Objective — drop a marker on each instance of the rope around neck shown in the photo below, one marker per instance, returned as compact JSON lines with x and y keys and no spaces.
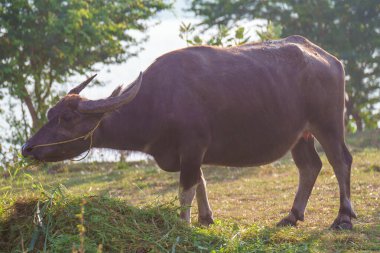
{"x":84,"y":137}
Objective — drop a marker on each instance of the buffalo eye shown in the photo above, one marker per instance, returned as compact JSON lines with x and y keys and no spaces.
{"x":68,"y":116}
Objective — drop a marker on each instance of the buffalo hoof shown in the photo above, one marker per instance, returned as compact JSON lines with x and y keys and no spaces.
{"x":206,"y":221}
{"x":342,"y":224}
{"x":286,"y":222}
{"x":289,"y":220}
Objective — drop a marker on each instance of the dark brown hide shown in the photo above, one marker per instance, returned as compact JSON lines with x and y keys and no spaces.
{"x":239,"y":106}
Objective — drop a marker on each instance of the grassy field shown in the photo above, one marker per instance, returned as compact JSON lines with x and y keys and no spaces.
{"x":118,"y":207}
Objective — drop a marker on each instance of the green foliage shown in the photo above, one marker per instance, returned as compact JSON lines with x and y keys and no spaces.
{"x":221,"y":38}
{"x":42,"y":43}
{"x":349,"y":29}
{"x":12,"y":164}
{"x":226,"y":37}
{"x":270,"y":32}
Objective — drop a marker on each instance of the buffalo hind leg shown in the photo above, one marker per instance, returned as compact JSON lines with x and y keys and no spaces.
{"x":340,"y":159}
{"x":204,"y":211}
{"x":309,"y":165}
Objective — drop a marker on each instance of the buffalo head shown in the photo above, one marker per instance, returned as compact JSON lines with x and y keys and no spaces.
{"x":72,"y":122}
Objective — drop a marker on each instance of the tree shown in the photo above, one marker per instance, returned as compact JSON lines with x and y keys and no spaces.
{"x":349,"y":29}
{"x":43,"y":42}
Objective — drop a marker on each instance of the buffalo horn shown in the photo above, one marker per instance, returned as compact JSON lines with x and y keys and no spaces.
{"x":115,"y":92}
{"x":81,"y":86}
{"x":111,"y":103}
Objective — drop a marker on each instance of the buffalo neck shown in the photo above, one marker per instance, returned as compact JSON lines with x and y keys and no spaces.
{"x":129,"y":127}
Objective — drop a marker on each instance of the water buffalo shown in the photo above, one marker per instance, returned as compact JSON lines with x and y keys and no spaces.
{"x":240,"y":106}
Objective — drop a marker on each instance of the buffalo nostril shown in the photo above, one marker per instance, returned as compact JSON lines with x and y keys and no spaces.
{"x":26,"y":149}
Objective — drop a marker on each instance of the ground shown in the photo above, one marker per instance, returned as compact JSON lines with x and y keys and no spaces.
{"x":133,"y":208}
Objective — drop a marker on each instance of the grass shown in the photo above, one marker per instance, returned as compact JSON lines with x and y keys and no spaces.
{"x":118,"y":207}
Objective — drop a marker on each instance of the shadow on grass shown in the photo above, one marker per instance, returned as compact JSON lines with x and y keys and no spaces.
{"x":160,"y":183}
{"x":87,"y":179}
{"x":213,"y":174}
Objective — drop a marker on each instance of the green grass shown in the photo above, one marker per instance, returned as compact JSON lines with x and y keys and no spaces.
{"x":133,"y":208}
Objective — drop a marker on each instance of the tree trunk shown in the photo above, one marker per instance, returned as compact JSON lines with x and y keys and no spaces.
{"x":358,"y":122}
{"x":33,"y":113}
{"x":123,"y":155}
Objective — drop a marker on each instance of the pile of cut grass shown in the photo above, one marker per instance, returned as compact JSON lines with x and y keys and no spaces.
{"x":107,"y":225}
{"x":103,"y":224}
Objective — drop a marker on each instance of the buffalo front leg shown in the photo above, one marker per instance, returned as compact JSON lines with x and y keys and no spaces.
{"x":190,"y":178}
{"x":204,"y":211}
{"x":186,"y":197}
{"x":309,"y":165}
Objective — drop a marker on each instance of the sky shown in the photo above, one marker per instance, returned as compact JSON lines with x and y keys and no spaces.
{"x":163,"y":38}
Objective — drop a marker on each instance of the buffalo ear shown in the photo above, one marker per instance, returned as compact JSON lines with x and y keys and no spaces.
{"x":113,"y":102}
{"x":81,"y":86}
